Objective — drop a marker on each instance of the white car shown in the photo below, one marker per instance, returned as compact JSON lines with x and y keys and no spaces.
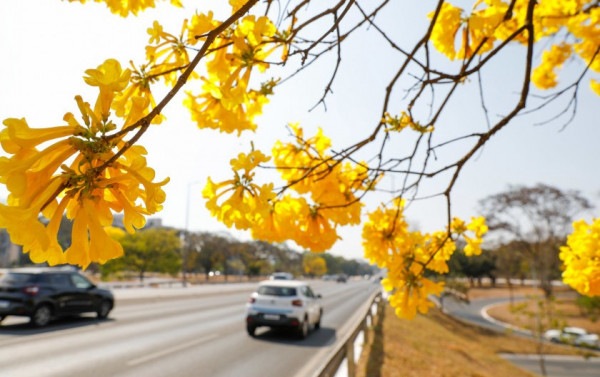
{"x":281,"y":276}
{"x":572,"y":335}
{"x":284,"y":304}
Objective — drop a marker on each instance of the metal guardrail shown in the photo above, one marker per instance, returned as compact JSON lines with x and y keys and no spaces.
{"x":147,"y":283}
{"x":345,"y":350}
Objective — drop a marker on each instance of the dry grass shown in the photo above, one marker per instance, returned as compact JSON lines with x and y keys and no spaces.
{"x":564,"y":312}
{"x":439,"y":346}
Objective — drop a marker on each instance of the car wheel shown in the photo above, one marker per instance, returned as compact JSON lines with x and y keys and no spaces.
{"x":318,"y":324}
{"x":251,"y":330}
{"x":104,"y":309}
{"x":303,"y":329}
{"x":41,"y":316}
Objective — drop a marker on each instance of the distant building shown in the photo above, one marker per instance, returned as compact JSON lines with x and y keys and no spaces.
{"x":153,"y":223}
{"x":10,"y":254}
{"x":150,"y":223}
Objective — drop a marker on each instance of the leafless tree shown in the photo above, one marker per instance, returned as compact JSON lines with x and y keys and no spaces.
{"x":536,"y":220}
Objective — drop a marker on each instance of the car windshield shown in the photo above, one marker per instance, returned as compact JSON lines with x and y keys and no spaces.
{"x":15,"y":278}
{"x":276,"y":291}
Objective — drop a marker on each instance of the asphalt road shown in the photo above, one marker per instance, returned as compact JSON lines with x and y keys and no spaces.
{"x":177,"y":332}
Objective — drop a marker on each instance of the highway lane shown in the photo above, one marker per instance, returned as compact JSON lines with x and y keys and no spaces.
{"x":190,"y":334}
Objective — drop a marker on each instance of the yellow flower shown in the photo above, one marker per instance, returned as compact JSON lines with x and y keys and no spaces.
{"x":411,"y":296}
{"x":124,"y":8}
{"x":581,"y":258}
{"x":315,"y":232}
{"x":199,"y":25}
{"x":248,"y":162}
{"x":544,"y":76}
{"x":400,"y":122}
{"x":109,"y":78}
{"x":156,"y":32}
{"x":444,"y":31}
{"x":595,"y":85}
{"x":479,"y":33}
{"x":247,"y":202}
{"x":18,"y":135}
{"x":479,"y":228}
{"x":236,"y":4}
{"x":458,"y":226}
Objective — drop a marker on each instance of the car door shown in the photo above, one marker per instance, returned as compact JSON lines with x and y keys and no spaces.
{"x":312,"y":304}
{"x":82,"y":299}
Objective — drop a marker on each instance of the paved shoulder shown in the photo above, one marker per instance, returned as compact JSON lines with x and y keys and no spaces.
{"x":557,"y":366}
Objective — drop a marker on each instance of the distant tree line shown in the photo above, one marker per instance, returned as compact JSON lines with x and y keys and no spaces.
{"x":210,"y":252}
{"x":205,"y":254}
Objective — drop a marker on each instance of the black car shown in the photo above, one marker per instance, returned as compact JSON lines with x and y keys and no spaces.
{"x":46,"y":293}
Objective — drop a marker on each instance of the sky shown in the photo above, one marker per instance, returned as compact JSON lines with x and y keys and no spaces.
{"x":48,"y":44}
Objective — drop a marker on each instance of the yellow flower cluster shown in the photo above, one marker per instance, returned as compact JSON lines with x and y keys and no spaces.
{"x":227,"y":102}
{"x":400,"y":122}
{"x":477,"y":227}
{"x":544,"y":77}
{"x":326,"y":194}
{"x":581,"y":258}
{"x":443,"y":35}
{"x":595,"y":85}
{"x":126,"y":7}
{"x":78,"y":173}
{"x":408,"y":255}
{"x":247,"y":202}
{"x":487,"y":24}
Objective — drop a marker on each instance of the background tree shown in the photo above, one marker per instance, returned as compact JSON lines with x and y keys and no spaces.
{"x":536,"y":219}
{"x":474,"y":268}
{"x":280,"y":257}
{"x":211,"y":255}
{"x":149,"y":250}
{"x":314,"y":265}
{"x":511,"y":263}
{"x":191,"y":245}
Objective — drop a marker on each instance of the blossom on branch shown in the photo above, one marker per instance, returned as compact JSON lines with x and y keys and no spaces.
{"x":581,"y":258}
{"x":80,"y":171}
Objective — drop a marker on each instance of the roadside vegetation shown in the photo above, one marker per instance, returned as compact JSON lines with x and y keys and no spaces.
{"x":437,"y":345}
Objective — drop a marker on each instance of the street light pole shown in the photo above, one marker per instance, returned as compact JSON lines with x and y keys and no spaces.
{"x":183,"y":235}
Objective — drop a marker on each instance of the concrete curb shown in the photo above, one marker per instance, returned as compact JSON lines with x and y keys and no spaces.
{"x":128,"y":294}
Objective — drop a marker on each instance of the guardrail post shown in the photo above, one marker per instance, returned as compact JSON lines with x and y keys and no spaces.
{"x":346,"y":349}
{"x":368,"y":320}
{"x":350,"y":357}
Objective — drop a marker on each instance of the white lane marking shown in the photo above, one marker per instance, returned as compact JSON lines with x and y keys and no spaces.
{"x":167,"y":351}
{"x":489,"y":318}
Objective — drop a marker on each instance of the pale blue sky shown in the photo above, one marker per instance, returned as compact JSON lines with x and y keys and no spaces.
{"x":47,"y":45}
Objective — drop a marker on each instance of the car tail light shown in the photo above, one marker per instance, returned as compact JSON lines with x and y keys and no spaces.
{"x":251,"y":300}
{"x":31,"y":290}
{"x":297,"y":302}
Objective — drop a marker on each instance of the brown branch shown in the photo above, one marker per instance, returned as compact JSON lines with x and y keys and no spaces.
{"x":145,"y":122}
{"x":521,"y":104}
